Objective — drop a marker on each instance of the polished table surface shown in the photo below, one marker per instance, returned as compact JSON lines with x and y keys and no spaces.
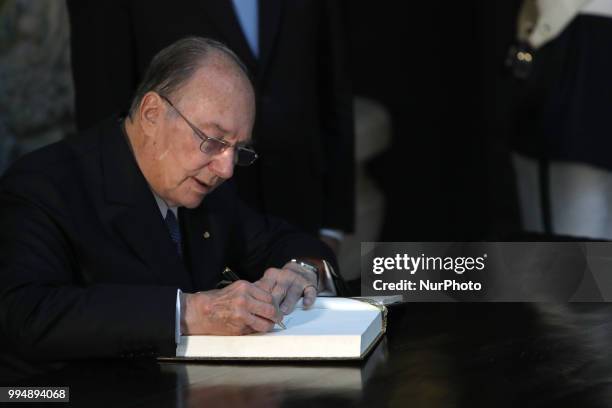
{"x":433,"y":355}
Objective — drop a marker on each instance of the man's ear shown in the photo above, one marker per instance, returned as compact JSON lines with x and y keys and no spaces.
{"x":150,"y":112}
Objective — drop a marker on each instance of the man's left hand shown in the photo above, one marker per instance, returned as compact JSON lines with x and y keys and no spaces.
{"x":288,"y":284}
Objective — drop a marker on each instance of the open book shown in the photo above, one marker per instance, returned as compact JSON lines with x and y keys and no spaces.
{"x":333,"y":328}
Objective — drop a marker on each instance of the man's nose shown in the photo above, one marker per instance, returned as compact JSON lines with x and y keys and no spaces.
{"x":223,"y":164}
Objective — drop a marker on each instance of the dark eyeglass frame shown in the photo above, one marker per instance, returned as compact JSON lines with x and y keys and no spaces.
{"x":214,"y":146}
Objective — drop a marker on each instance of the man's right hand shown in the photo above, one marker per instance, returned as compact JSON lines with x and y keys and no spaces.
{"x":240,"y":308}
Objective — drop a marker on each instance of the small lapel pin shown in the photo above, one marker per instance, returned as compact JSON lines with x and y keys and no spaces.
{"x":206,"y":234}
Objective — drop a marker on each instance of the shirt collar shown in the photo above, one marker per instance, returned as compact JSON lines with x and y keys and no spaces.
{"x":163,"y":207}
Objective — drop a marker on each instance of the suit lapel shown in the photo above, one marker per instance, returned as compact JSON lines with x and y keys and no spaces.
{"x":270,"y":12}
{"x":132,"y":212}
{"x":205,"y":244}
{"x":222,"y":15}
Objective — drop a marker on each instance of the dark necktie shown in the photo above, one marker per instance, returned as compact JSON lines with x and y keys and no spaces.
{"x":175,"y":231}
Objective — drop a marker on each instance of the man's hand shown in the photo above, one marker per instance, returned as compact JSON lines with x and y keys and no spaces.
{"x":288,"y":284}
{"x":240,"y":308}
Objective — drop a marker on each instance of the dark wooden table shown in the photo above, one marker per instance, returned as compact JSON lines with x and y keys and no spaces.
{"x":434,"y":355}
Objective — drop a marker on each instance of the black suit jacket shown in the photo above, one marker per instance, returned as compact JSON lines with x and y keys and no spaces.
{"x":87,"y":266}
{"x":304,"y":125}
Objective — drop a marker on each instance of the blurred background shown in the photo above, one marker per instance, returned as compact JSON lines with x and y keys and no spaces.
{"x":466,"y":128}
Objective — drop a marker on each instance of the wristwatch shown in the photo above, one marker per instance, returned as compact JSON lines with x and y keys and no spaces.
{"x":309,"y":267}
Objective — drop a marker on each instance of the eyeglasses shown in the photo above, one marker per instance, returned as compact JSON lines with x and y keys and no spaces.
{"x":243,"y":156}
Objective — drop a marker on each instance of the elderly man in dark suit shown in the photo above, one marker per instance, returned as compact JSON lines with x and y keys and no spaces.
{"x":296,"y":53}
{"x":112,"y":244}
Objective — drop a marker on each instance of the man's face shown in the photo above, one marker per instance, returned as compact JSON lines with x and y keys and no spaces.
{"x":218,"y":104}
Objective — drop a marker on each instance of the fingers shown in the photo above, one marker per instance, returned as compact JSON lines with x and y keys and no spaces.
{"x":257,"y":302}
{"x":258,"y":324}
{"x":276,"y":282}
{"x":258,"y":292}
{"x":289,"y":286}
{"x":266,"y":283}
{"x":281,"y":290}
{"x":265,"y":310}
{"x":310,"y":295}
{"x":293,"y":295}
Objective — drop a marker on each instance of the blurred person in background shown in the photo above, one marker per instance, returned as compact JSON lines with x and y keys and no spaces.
{"x":561,"y":120}
{"x":36,"y":95}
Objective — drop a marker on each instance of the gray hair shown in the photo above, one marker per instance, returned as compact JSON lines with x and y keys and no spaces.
{"x":175,"y":65}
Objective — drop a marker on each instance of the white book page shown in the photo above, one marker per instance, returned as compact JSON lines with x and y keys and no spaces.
{"x":304,"y":322}
{"x":332,"y":327}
